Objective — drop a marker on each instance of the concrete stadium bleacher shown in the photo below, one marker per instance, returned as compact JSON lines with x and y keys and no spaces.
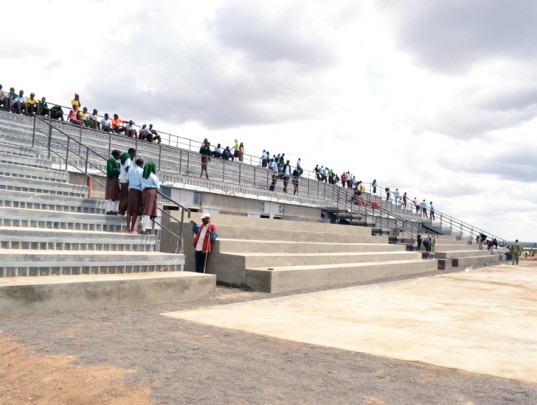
{"x":55,"y":189}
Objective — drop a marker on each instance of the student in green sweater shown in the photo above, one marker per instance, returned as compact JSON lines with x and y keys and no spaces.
{"x":113,"y":168}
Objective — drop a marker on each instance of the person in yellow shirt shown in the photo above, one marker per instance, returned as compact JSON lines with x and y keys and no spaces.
{"x":32,"y":105}
{"x":84,"y":117}
{"x":76,"y":102}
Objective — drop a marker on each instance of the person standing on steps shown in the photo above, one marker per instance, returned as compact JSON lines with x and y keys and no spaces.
{"x":286,"y":175}
{"x":296,"y":177}
{"x":205,"y":152}
{"x":126,"y":164}
{"x":135,"y":203}
{"x":150,"y":185}
{"x":273,"y":166}
{"x":203,"y":241}
{"x":424,"y":209}
{"x":431,"y":211}
{"x":111,"y":195}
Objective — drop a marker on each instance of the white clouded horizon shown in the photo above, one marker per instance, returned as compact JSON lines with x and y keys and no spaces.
{"x":436,"y":98}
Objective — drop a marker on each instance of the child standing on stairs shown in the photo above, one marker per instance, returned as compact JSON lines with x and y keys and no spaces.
{"x":134,"y":204}
{"x":150,"y":185}
{"x":113,"y":168}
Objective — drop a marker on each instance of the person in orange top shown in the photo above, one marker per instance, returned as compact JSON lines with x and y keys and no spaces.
{"x":117,"y":125}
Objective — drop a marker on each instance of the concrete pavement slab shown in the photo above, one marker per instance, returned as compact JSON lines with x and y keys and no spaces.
{"x":482,"y":321}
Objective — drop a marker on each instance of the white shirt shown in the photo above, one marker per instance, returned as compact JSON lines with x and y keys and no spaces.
{"x":123,"y":172}
{"x":203,"y":232}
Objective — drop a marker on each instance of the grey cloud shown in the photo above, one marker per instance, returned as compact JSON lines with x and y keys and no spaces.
{"x":517,"y":165}
{"x":281,"y":37}
{"x":512,"y":165}
{"x":477,"y":110}
{"x":204,"y":82}
{"x":513,"y":99}
{"x":450,"y":36}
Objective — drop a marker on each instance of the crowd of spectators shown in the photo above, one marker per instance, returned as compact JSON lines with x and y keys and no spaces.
{"x":278,"y":164}
{"x":18,"y":103}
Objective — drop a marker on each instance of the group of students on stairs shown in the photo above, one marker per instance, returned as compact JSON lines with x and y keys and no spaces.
{"x":131,"y":189}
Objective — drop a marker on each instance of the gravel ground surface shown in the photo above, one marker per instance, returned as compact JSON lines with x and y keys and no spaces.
{"x":180,"y":362}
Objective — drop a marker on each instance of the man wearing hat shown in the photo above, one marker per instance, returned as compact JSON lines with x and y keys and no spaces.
{"x":203,"y":241}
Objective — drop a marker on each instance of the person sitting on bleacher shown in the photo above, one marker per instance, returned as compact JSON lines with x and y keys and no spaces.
{"x":19,"y":105}
{"x":11,"y":96}
{"x":42,"y":107}
{"x":74,"y":116}
{"x":117,"y":125}
{"x":56,"y":112}
{"x":95,"y":119}
{"x":217,"y":153}
{"x":2,"y":97}
{"x":153,"y":135}
{"x":226,"y":154}
{"x":106,"y":123}
{"x":130,"y":130}
{"x":143,"y":132}
{"x":84,"y":117}
{"x":32,"y":105}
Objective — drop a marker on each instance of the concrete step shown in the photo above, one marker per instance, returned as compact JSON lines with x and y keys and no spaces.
{"x":51,"y":202}
{"x":21,"y":296}
{"x":27,"y":172}
{"x":285,"y":225}
{"x":20,"y":217}
{"x":329,"y":235}
{"x":9,"y":183}
{"x":46,"y":263}
{"x":266,"y":260}
{"x":462,"y":253}
{"x":225,"y":245}
{"x":23,"y":159}
{"x":476,"y":261}
{"x":281,"y":279}
{"x":48,"y":239}
{"x":16,"y":149}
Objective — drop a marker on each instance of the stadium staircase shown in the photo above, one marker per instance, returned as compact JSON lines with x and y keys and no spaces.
{"x":317,"y":256}
{"x":276,"y":256}
{"x":58,"y":249}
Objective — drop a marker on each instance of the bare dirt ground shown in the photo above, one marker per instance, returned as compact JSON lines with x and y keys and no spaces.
{"x":136,"y":356}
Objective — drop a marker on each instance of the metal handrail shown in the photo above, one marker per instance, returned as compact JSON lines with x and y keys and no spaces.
{"x":67,"y":149}
{"x":183,"y":209}
{"x":232,"y":172}
{"x":70,"y":139}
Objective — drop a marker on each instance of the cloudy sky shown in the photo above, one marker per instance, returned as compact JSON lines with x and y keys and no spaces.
{"x":436,"y":98}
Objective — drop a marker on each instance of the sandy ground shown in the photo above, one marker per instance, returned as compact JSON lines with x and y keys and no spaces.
{"x":28,"y":378}
{"x":139,"y":356}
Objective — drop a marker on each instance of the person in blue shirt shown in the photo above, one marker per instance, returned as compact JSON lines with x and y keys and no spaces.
{"x":150,"y":185}
{"x":134,"y":202}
